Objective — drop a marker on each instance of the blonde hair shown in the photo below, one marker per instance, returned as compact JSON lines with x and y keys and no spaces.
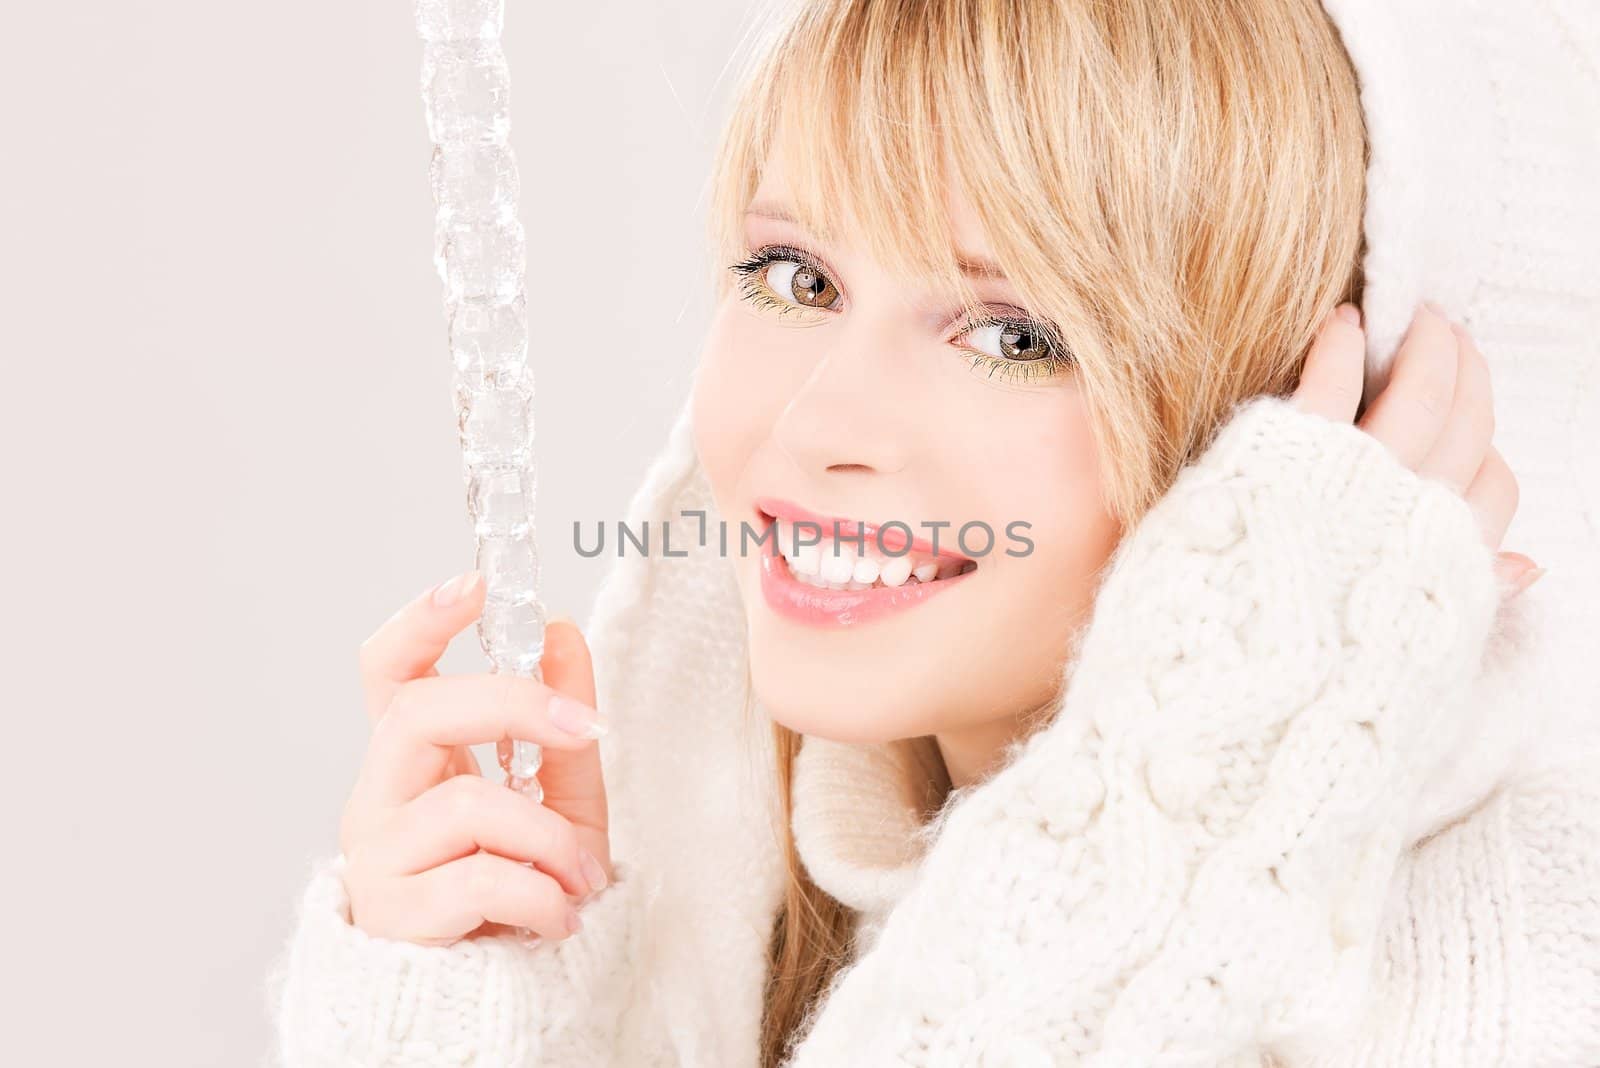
{"x":1176,"y":184}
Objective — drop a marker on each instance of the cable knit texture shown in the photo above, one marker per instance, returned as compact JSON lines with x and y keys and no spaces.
{"x":1190,"y":862}
{"x":1201,"y":860}
{"x":363,"y":1000}
{"x":1308,"y":799}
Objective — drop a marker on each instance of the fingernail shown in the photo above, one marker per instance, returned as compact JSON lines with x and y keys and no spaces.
{"x":1529,"y":578}
{"x":1349,"y":313}
{"x":575,"y":717}
{"x":448,"y":593}
{"x":592,"y":871}
{"x":1434,"y":307}
{"x":574,"y":922}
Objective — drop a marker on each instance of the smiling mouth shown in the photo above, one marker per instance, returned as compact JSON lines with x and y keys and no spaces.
{"x":812,"y":554}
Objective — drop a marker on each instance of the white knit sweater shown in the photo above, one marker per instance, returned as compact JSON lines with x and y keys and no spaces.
{"x":1205,"y":859}
{"x":1308,"y":801}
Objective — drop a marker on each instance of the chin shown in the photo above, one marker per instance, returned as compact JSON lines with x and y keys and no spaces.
{"x":857,"y":684}
{"x":839,"y":699}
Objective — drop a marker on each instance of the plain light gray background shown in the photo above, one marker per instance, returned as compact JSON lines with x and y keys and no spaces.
{"x":230,"y":452}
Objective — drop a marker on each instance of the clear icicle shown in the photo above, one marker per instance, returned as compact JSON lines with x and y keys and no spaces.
{"x":480,"y":251}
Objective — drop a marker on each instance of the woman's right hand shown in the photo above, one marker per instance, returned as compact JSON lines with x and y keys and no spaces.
{"x":433,"y":851}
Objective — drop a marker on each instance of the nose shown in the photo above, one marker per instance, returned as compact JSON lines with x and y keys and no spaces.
{"x":848,"y":413}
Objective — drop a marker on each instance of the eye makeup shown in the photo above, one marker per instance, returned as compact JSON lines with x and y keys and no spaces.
{"x":1055,"y":359}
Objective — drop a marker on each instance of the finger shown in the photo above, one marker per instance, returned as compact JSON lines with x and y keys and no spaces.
{"x":462,"y":762}
{"x":566,"y":665}
{"x":1526,"y":579}
{"x":1458,"y":452}
{"x":364,"y":813}
{"x":572,"y":776}
{"x":415,"y":739}
{"x":1330,"y":382}
{"x":462,"y":815}
{"x":492,"y":889}
{"x":1493,"y":495}
{"x":409,"y":642}
{"x":1513,"y":571}
{"x":1409,"y":413}
{"x":454,"y":899}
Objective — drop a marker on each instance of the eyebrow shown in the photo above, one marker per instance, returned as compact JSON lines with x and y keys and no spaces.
{"x":976,"y":266}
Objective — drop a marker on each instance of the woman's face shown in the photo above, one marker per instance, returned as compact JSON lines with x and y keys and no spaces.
{"x":828,"y":392}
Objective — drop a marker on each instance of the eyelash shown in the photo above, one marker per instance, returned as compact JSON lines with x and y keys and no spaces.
{"x":757,"y":292}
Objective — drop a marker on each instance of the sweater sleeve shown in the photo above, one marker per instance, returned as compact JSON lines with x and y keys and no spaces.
{"x":1490,"y":951}
{"x":344,"y":997}
{"x":1191,"y":863}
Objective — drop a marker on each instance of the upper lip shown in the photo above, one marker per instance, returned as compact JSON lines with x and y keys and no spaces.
{"x":894,"y":538}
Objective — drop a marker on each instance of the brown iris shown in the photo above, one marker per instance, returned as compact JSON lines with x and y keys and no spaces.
{"x":1012,"y":347}
{"x":812,"y":288}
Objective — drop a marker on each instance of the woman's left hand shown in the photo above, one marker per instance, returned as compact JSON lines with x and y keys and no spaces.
{"x":1436,"y":415}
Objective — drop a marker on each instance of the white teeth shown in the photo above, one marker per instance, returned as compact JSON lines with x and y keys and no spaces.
{"x":804,"y":559}
{"x":895,"y":571}
{"x":838,"y":567}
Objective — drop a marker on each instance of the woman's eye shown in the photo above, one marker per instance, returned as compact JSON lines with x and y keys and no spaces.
{"x":1016,"y":342}
{"x":784,"y":279}
{"x":801,"y":283}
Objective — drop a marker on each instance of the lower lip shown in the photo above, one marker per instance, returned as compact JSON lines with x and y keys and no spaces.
{"x":821,"y":607}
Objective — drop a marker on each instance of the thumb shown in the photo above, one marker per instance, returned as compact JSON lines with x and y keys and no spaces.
{"x":565,"y":664}
{"x":571,"y":778}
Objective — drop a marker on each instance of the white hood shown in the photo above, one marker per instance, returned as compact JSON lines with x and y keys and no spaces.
{"x":1482,"y":196}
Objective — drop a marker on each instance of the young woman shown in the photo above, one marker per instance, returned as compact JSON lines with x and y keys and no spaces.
{"x":1188,"y":772}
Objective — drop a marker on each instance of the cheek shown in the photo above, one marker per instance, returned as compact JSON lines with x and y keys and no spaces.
{"x":1041,"y":467}
{"x":1063,"y":488}
{"x":1074,"y":532}
{"x":1050,"y":478}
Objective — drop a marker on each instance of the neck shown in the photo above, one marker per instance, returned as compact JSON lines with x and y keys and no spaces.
{"x":972,"y":752}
